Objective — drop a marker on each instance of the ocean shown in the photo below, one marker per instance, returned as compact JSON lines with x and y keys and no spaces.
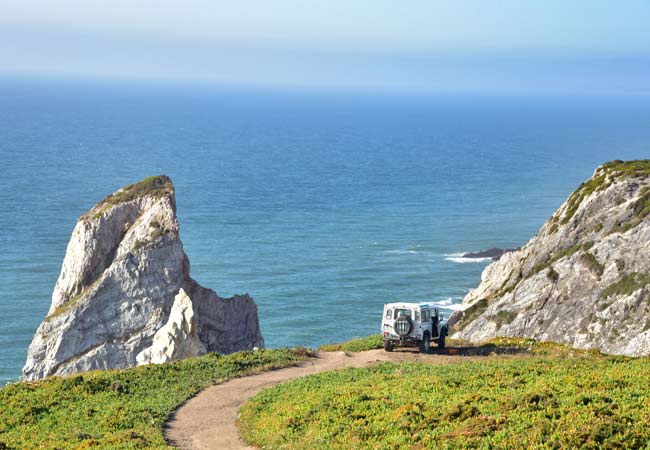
{"x":323,"y":205}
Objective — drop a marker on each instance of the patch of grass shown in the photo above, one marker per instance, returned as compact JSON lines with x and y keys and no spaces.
{"x":594,"y":184}
{"x":153,"y":238}
{"x":503,"y":318}
{"x":587,"y":401}
{"x":628,"y":169}
{"x":506,"y":288}
{"x":626,"y":285}
{"x":124,"y":409}
{"x":471,"y":313}
{"x":552,"y":275}
{"x":640,"y":210}
{"x":75,"y":299}
{"x":598,"y":227}
{"x":592,"y":264}
{"x":371,"y":342}
{"x":558,"y":256}
{"x":156,"y":186}
{"x":620,"y":265}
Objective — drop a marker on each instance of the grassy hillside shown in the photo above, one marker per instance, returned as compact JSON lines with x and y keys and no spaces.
{"x":123,"y":409}
{"x":550,"y":398}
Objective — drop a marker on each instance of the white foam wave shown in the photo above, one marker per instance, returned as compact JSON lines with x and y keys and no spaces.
{"x":458,"y":258}
{"x":448,"y":303}
{"x":407,"y":252}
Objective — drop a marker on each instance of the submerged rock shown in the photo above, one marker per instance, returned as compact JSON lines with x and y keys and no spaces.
{"x":125,"y":296}
{"x":492,"y":253}
{"x":583,"y":280}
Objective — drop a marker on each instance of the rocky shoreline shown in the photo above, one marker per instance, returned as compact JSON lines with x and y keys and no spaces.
{"x":493,"y":253}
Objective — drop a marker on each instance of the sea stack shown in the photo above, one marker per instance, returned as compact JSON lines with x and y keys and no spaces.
{"x":125,"y":296}
{"x":583,"y":280}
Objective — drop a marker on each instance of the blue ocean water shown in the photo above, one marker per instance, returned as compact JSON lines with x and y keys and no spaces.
{"x":322,"y":205}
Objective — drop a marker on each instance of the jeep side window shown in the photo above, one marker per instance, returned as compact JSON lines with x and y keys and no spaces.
{"x":426,"y":315}
{"x":388,"y":312}
{"x":417,"y":315}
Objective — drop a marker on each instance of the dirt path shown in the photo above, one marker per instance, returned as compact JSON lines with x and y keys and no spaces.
{"x":207,"y":421}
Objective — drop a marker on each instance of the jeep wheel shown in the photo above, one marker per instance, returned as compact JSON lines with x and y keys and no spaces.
{"x":388,"y":345}
{"x":425,"y":343}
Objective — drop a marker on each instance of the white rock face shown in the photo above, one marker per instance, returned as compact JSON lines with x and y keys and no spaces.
{"x":584,"y":280}
{"x":124,"y":296}
{"x":178,"y":338}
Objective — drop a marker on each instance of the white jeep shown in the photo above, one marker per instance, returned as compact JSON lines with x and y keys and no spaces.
{"x":413,"y":324}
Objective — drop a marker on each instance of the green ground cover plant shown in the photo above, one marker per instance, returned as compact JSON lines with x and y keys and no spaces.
{"x":118,"y":409}
{"x":564,"y":399}
{"x":356,"y":345}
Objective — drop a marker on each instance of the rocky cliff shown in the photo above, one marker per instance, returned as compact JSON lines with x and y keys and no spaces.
{"x":125,"y":296}
{"x":583,"y":280}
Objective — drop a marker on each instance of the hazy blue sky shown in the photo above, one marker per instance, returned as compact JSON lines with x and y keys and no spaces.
{"x":552,"y":45}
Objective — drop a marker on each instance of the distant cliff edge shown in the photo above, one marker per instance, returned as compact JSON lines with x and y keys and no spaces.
{"x":125,"y":296}
{"x":583,"y":280}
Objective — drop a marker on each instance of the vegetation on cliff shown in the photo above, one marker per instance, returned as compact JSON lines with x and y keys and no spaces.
{"x":605,"y":176}
{"x":119,"y":409}
{"x":156,"y":186}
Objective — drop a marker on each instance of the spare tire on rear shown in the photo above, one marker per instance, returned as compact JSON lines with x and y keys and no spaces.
{"x":403,"y":326}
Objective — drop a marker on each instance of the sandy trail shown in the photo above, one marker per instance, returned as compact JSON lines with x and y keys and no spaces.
{"x":207,"y":421}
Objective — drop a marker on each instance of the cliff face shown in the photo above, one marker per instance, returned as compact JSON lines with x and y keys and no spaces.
{"x":583,"y":280}
{"x":125,"y":296}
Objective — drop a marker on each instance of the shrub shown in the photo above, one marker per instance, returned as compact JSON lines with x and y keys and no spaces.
{"x":592,"y":264}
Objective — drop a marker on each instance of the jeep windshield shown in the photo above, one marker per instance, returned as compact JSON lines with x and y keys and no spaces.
{"x":403,"y":312}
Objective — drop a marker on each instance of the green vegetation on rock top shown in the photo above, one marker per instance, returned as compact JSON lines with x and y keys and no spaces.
{"x":156,"y":186}
{"x":604,"y":177}
{"x":124,"y":409}
{"x":531,"y":402}
{"x":628,"y":169}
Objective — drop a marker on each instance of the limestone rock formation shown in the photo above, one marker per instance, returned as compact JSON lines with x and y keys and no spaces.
{"x":583,"y":280}
{"x":125,"y":296}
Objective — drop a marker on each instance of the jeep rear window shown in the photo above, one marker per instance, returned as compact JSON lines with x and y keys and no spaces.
{"x":402,"y":312}
{"x":388,"y":312}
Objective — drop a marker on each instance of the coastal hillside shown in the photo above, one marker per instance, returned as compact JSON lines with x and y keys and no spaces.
{"x":583,"y":279}
{"x":505,"y":393}
{"x":125,"y":296}
{"x":525,"y":395}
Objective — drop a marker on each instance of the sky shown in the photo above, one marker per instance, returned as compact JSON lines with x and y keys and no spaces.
{"x":579,"y":46}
